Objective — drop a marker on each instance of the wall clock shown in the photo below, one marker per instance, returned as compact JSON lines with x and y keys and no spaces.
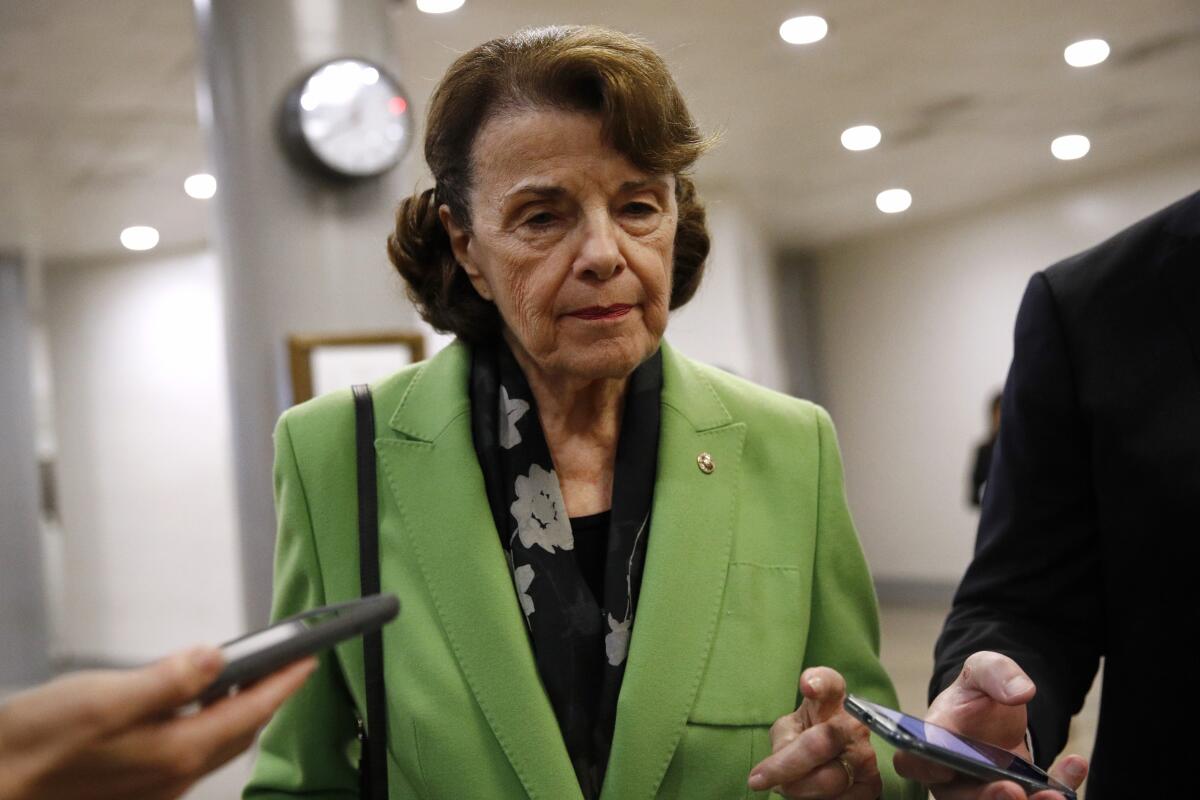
{"x":346,"y":119}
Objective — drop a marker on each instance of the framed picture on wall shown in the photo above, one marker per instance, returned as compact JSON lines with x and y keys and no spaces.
{"x":322,"y":363}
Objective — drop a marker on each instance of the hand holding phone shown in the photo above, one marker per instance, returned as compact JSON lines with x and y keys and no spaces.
{"x":968,"y":757}
{"x":986,"y":702}
{"x":257,"y":654}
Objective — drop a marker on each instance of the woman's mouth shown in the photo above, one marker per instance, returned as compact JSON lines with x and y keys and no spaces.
{"x":602,"y":312}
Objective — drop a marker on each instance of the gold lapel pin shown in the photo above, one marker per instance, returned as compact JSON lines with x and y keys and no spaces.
{"x":705,"y":462}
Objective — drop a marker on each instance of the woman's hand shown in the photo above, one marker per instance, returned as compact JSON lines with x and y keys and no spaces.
{"x":986,"y":702}
{"x":118,"y":733}
{"x":819,"y":750}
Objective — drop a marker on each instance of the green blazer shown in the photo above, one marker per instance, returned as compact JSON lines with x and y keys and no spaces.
{"x":753,"y":572}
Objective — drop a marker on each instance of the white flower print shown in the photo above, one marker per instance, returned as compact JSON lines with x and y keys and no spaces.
{"x":616,"y":641}
{"x":540,"y":512}
{"x":512,"y":409}
{"x":524,"y":576}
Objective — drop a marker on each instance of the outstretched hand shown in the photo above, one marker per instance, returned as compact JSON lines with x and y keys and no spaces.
{"x":119,"y":733}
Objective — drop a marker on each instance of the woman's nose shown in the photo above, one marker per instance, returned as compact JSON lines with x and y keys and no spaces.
{"x":600,"y":253}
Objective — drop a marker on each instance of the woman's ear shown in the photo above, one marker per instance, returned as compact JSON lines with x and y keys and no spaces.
{"x":460,"y":245}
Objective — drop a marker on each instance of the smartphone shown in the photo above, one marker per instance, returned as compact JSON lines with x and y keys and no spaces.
{"x":965,"y":755}
{"x":258,"y":654}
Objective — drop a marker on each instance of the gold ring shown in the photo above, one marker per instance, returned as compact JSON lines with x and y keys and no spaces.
{"x":849,"y":771}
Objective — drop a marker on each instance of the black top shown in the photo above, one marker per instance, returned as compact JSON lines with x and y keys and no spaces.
{"x":577,"y":585}
{"x":591,"y":547}
{"x":1088,"y":541}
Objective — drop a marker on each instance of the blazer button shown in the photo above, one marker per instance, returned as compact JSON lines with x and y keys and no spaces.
{"x":705,"y":462}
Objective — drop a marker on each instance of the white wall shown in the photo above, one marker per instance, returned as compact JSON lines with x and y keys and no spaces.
{"x":915,"y":333}
{"x":141,"y":412}
{"x":731,"y":322}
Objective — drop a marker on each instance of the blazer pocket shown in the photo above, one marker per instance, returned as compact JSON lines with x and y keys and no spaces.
{"x":757,"y":652}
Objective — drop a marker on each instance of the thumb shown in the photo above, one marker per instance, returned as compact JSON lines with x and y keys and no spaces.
{"x":1070,"y":770}
{"x":996,"y":676}
{"x":159,"y":688}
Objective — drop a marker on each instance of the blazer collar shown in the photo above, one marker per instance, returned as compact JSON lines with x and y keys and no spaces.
{"x":438,"y":394}
{"x":435,"y":396}
{"x":450,"y":533}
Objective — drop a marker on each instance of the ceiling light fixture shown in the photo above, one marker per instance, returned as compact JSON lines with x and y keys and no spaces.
{"x":861,"y":137}
{"x":1070,"y":147}
{"x":439,"y":6}
{"x":139,"y":237}
{"x":201,"y":186}
{"x":1086,"y":53}
{"x":803,"y":30}
{"x":893,"y":201}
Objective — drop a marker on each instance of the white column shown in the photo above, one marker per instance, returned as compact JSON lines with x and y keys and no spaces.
{"x":23,"y":629}
{"x":297,"y":255}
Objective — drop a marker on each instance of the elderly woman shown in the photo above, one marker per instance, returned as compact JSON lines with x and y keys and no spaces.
{"x":620,"y":569}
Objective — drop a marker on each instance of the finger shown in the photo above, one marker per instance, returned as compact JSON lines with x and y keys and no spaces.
{"x":859,"y":775}
{"x":969,"y":789}
{"x":826,"y":689}
{"x":119,"y":698}
{"x":922,"y":770}
{"x":245,"y":712}
{"x":784,"y":731}
{"x":1004,"y":790}
{"x":810,"y":750}
{"x":1071,"y":771}
{"x":997,"y":676}
{"x":827,"y":780}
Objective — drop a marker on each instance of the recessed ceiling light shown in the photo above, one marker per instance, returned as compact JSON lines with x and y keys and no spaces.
{"x":893,"y":201}
{"x":803,"y":30}
{"x":439,"y":6}
{"x":1087,"y":53}
{"x":201,"y":186}
{"x":861,"y":137}
{"x":139,"y":237}
{"x":1070,"y":147}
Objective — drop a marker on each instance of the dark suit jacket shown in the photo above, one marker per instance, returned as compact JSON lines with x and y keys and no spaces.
{"x":1090,"y":527}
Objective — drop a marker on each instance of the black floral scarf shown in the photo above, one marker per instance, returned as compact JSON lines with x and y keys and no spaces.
{"x":579,"y":641}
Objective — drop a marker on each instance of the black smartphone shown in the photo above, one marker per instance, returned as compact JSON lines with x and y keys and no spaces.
{"x":258,"y":654}
{"x":961,"y":753}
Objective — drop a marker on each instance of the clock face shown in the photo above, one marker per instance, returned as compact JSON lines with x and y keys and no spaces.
{"x":353,"y":118}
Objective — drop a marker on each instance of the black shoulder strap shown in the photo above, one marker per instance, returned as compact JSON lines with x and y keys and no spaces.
{"x":373,"y":767}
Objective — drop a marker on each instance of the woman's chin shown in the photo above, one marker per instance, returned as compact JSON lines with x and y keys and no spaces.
{"x":607,"y":358}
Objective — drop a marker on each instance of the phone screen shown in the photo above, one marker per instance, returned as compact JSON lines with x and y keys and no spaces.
{"x":967,"y":748}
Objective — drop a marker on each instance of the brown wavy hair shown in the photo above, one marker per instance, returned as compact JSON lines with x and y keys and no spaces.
{"x":596,"y":70}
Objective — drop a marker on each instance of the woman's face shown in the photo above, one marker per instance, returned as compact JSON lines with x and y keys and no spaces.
{"x":571,"y":241}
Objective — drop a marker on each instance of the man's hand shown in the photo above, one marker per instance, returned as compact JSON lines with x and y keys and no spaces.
{"x":986,"y":702}
{"x":119,"y":733}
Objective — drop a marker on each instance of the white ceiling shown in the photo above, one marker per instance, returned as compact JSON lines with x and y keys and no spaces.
{"x":98,"y":123}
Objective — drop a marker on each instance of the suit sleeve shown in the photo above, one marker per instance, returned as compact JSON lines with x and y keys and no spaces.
{"x":308,"y":747}
{"x":844,"y":629}
{"x":1033,"y":590}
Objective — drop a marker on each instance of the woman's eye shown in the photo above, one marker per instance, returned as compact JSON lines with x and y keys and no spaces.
{"x":640,"y":209}
{"x":540,"y":219}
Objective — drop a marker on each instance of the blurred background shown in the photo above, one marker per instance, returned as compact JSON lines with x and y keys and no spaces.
{"x":139,"y":382}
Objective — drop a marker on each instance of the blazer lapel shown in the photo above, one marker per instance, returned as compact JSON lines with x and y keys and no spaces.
{"x":433,"y":473}
{"x":691,"y":533}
